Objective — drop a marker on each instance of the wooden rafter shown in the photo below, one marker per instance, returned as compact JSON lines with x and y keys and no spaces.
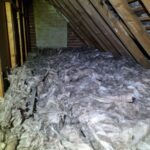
{"x":146,"y":3}
{"x":139,"y":9}
{"x":1,"y":80}
{"x":145,"y":18}
{"x":79,"y":30}
{"x":88,"y":22}
{"x":82,"y":20}
{"x":79,"y":24}
{"x":132,"y":22}
{"x":106,"y":35}
{"x":24,"y":30}
{"x":131,"y":1}
{"x":121,"y":32}
{"x":11,"y":34}
{"x":20,"y":33}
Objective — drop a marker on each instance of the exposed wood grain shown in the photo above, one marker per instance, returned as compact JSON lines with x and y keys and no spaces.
{"x":122,"y":33}
{"x":76,"y":25}
{"x":106,"y":34}
{"x":139,"y":9}
{"x":93,"y":18}
{"x":145,"y":18}
{"x":24,"y":30}
{"x":131,"y":1}
{"x":11,"y":34}
{"x":146,"y":3}
{"x":56,"y":5}
{"x":81,"y":22}
{"x":1,"y":81}
{"x":147,"y":27}
{"x":132,"y":22}
{"x":20,"y":34}
{"x":82,"y":17}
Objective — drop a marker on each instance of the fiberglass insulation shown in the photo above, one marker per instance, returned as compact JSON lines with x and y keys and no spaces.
{"x":76,"y":100}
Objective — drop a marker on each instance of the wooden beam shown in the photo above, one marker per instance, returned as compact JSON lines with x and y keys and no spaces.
{"x":112,"y":24}
{"x":121,"y":32}
{"x":139,"y":9}
{"x":82,"y":35}
{"x":80,"y":30}
{"x":11,"y":34}
{"x":101,"y":35}
{"x":146,"y":4}
{"x":1,"y":81}
{"x":131,"y":1}
{"x":147,"y":27}
{"x":132,"y":22}
{"x":145,"y":19}
{"x":87,"y":23}
{"x":24,"y":30}
{"x":4,"y":41}
{"x":108,"y":35}
{"x":80,"y":21}
{"x":20,"y":34}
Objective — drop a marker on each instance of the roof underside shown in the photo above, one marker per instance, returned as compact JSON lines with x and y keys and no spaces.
{"x":119,"y":26}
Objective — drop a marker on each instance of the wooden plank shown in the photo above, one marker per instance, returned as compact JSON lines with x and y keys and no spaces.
{"x":87,"y":23}
{"x":107,"y":16}
{"x":20,"y":34}
{"x":132,"y":22}
{"x":79,"y":21}
{"x":139,"y":9}
{"x":103,"y":27}
{"x":147,"y":27}
{"x":11,"y":34}
{"x":80,"y":30}
{"x":1,"y":80}
{"x":145,"y":19}
{"x":4,"y":41}
{"x":122,"y":33}
{"x":26,"y":17}
{"x":24,"y":30}
{"x":146,"y":4}
{"x":131,"y":1}
{"x":101,"y":35}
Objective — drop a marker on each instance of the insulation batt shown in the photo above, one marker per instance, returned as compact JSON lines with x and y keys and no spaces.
{"x":76,"y":99}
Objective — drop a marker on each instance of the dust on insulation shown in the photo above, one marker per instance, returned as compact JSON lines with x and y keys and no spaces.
{"x":75,"y":99}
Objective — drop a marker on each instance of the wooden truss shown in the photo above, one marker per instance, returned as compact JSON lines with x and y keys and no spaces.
{"x":111,"y":25}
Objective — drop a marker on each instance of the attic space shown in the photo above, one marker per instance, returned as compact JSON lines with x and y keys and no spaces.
{"x":74,"y":75}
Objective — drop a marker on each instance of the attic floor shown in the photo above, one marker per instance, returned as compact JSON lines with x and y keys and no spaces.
{"x":79,"y":99}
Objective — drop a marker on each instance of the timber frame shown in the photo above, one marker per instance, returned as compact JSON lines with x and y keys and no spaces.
{"x":111,"y":25}
{"x":13,"y":42}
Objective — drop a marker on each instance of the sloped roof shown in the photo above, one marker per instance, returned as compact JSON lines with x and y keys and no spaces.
{"x":119,"y":26}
